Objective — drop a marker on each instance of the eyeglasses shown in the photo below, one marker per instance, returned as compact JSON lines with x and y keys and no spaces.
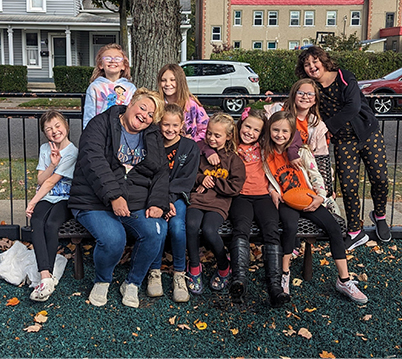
{"x":110,"y":59}
{"x":308,"y":94}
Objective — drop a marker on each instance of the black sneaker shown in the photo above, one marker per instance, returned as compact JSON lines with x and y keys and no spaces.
{"x":381,"y":228}
{"x":360,"y":239}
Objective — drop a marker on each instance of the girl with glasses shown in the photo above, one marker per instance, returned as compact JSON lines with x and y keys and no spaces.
{"x":110,"y":82}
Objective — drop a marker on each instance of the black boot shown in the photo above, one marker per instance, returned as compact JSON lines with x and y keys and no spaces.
{"x":239,"y":261}
{"x":273,"y":275}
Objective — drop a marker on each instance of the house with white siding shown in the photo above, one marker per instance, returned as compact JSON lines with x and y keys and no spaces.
{"x":42,"y":34}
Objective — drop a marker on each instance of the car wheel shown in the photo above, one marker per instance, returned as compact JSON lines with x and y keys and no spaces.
{"x":234,"y":105}
{"x":382,"y":105}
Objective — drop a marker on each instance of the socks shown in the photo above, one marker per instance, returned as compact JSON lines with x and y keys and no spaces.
{"x":378,"y":218}
{"x":344,"y":280}
{"x":224,"y":273}
{"x":285,"y":273}
{"x":195,"y":270}
{"x":353,"y":234}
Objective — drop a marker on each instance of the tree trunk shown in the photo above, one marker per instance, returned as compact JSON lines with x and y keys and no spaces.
{"x":156,"y":38}
{"x":123,"y":25}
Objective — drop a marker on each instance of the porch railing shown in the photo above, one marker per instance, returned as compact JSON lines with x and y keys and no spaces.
{"x":20,"y":140}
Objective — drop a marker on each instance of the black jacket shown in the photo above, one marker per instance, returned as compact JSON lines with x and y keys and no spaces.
{"x":355,"y":110}
{"x":99,"y":176}
{"x":184,"y":171}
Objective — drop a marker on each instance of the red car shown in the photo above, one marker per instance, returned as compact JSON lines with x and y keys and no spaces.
{"x":389,"y":84}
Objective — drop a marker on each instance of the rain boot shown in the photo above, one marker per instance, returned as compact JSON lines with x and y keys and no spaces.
{"x":272,"y":255}
{"x":239,"y":259}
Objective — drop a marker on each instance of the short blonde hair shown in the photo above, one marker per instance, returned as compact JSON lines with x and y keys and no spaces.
{"x":155,"y":98}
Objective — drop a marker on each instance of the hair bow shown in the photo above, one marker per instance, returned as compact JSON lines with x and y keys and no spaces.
{"x":244,"y":115}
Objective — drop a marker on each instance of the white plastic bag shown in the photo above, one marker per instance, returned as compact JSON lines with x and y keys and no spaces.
{"x":19,"y":263}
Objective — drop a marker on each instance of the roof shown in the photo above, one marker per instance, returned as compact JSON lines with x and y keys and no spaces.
{"x":297,"y":2}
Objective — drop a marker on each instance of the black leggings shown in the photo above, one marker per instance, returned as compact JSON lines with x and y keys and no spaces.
{"x":322,"y":218}
{"x":348,"y":154}
{"x":209,"y":223}
{"x":245,"y":208}
{"x":45,"y":223}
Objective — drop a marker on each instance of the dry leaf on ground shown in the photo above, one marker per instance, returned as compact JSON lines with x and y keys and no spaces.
{"x":309,"y":310}
{"x":40,"y":318}
{"x":394,"y":248}
{"x":183,"y":326}
{"x":325,"y":354}
{"x":12,"y":302}
{"x":303,"y":332}
{"x":33,"y":328}
{"x":324,"y":262}
{"x":367,"y":317}
{"x":297,"y":282}
{"x":371,"y":243}
{"x":87,"y":247}
{"x":289,"y":332}
{"x":172,"y":320}
{"x":362,"y":277}
{"x":201,"y":325}
{"x":234,"y":331}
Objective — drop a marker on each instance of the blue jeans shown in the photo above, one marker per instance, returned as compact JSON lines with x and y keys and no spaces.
{"x":177,"y":233}
{"x":110,"y":232}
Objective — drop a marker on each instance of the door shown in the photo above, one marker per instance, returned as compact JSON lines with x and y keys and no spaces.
{"x":59,"y":51}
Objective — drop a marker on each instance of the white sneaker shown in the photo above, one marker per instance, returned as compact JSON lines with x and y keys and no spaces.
{"x":350,"y":290}
{"x":286,"y":283}
{"x":98,"y":295}
{"x":154,"y":288}
{"x":130,"y":295}
{"x":180,"y":291}
{"x":44,"y":289}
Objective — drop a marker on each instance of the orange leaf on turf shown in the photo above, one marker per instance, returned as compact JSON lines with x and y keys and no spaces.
{"x":12,"y":301}
{"x":325,"y":354}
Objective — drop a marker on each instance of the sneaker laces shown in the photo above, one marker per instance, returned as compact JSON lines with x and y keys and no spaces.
{"x":179,"y":279}
{"x":351,"y":285}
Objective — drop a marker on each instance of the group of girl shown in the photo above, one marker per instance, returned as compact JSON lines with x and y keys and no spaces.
{"x":220,"y":170}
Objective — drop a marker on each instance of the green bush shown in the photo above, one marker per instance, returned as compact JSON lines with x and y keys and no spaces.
{"x":276,"y":69}
{"x":13,"y":78}
{"x":72,"y":79}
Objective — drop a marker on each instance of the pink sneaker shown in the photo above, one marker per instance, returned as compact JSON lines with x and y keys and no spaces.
{"x":350,"y":290}
{"x":286,"y":282}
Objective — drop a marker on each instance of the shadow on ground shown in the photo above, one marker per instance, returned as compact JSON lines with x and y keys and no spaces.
{"x":77,"y":329}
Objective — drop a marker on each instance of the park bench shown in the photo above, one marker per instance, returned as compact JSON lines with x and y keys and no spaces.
{"x":307,"y":231}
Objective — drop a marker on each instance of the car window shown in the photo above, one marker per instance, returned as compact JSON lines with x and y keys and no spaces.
{"x":393,"y":75}
{"x":250,"y":69}
{"x":192,"y":70}
{"x":217,"y":69}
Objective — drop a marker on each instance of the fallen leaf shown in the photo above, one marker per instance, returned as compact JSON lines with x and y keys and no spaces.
{"x":371,"y":243}
{"x":394,"y":248}
{"x":360,"y":335}
{"x":39,"y":318}
{"x":361,"y":265}
{"x":304,"y":333}
{"x":168,"y":257}
{"x":289,"y":332}
{"x":43,"y":312}
{"x":362,"y":277}
{"x":183,"y":326}
{"x":234,"y":331}
{"x":201,"y":325}
{"x":297,"y":282}
{"x":324,"y":262}
{"x":172,"y":320}
{"x":309,"y":310}
{"x":76,"y":294}
{"x":87,"y":247}
{"x":349,"y":257}
{"x":12,"y":302}
{"x":135,"y":334}
{"x":325,"y":354}
{"x":33,"y":328}
{"x":367,"y":317}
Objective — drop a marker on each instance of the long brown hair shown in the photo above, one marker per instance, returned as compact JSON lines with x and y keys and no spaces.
{"x":182,"y":91}
{"x":98,"y":62}
{"x":231,"y":129}
{"x":290,"y":103}
{"x":279,"y":116}
{"x":261,"y":115}
{"x":317,"y":53}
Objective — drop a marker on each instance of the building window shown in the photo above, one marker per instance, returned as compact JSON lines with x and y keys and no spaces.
{"x":1,"y":5}
{"x":36,"y":5}
{"x":306,"y":42}
{"x":355,"y":18}
{"x":237,"y":18}
{"x":272,"y":45}
{"x":394,"y":46}
{"x":389,"y":19}
{"x":32,"y":41}
{"x":331,"y":18}
{"x":293,"y":45}
{"x":272,"y":18}
{"x":294,"y":18}
{"x":257,"y":45}
{"x":236,"y":44}
{"x":309,"y":18}
{"x":216,"y":33}
{"x":258,"y":18}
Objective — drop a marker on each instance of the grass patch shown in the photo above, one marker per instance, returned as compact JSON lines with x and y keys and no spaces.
{"x":53,"y":102}
{"x":18,"y":178}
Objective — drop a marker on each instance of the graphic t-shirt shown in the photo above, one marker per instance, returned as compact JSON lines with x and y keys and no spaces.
{"x":302,"y":127}
{"x":171,"y":153}
{"x":256,"y":181}
{"x":131,"y":150}
{"x":286,"y":176}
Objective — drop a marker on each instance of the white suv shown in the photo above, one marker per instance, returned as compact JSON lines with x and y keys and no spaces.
{"x":212,"y":77}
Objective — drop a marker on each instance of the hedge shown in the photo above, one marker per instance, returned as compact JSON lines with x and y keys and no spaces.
{"x":72,"y":79}
{"x":276,"y":68}
{"x":13,"y":78}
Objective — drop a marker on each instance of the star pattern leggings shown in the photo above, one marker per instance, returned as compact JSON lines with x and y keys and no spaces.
{"x":348,"y":155}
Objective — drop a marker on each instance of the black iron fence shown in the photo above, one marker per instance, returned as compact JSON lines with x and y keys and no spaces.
{"x":20,"y":140}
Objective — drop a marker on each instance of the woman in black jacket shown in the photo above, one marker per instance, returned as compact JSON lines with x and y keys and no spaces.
{"x":120,"y":188}
{"x":356,"y":136}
